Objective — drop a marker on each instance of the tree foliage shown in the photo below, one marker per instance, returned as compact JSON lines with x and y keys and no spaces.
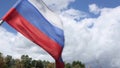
{"x":27,"y":62}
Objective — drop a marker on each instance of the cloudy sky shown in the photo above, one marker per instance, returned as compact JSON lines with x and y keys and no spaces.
{"x":91,"y":27}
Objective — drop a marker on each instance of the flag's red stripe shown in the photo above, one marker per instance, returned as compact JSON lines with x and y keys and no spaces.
{"x":23,"y":26}
{"x":59,"y":64}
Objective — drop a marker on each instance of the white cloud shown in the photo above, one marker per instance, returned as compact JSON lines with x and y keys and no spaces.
{"x":93,"y":8}
{"x":95,"y":46}
{"x":74,"y":14}
{"x":17,"y":45}
{"x":5,"y":38}
{"x":58,"y":5}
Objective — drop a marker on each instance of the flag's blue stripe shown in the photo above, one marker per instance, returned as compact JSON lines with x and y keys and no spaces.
{"x":30,"y":13}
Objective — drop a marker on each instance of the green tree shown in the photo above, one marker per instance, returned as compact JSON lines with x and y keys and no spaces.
{"x":18,"y":64}
{"x":8,"y":61}
{"x":68,"y":65}
{"x":26,"y":61}
{"x":2,"y":62}
{"x":45,"y":63}
{"x":77,"y":64}
{"x":34,"y":62}
{"x":50,"y":65}
{"x":39,"y":64}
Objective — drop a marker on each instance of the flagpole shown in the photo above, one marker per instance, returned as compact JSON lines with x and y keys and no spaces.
{"x":1,"y":22}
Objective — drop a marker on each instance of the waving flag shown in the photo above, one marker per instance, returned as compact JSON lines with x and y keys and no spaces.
{"x":36,"y":22}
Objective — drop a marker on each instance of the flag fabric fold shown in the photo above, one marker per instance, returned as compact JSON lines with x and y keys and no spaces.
{"x":35,"y":21}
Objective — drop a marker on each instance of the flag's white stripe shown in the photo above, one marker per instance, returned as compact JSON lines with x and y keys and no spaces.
{"x":49,"y":15}
{"x":1,"y":21}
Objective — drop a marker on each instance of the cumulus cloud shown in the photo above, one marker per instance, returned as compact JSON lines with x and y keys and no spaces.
{"x":58,"y":5}
{"x":74,"y":14}
{"x":5,"y":38}
{"x":97,"y":46}
{"x":17,"y":45}
{"x":93,"y":8}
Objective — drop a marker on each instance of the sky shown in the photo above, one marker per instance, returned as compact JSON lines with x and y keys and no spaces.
{"x":91,"y":27}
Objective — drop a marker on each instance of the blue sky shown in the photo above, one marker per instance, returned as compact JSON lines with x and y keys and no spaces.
{"x":5,"y":5}
{"x":83,"y":4}
{"x":92,"y":31}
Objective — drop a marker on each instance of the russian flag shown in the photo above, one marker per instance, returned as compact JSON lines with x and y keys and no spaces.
{"x":35,"y":21}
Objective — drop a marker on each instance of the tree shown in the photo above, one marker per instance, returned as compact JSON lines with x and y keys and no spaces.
{"x":2,"y":62}
{"x":50,"y":65}
{"x":8,"y":61}
{"x":33,"y":64}
{"x":45,"y":63}
{"x":26,"y":61}
{"x":18,"y":64}
{"x":68,"y":65}
{"x":77,"y":64}
{"x":39,"y":64}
